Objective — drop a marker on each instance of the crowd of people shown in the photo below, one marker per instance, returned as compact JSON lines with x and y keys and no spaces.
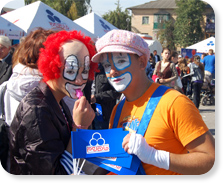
{"x":54,"y":81}
{"x":187,"y":75}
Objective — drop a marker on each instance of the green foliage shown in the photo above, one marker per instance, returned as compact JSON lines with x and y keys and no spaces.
{"x":166,"y":36}
{"x":72,"y":9}
{"x":187,"y":28}
{"x":118,"y":18}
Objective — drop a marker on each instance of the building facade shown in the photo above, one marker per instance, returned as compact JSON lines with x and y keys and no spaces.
{"x":149,"y":18}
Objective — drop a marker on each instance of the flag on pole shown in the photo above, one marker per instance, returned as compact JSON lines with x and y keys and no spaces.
{"x":104,"y":148}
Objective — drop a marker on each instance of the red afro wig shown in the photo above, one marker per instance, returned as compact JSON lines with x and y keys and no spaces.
{"x":49,"y":62}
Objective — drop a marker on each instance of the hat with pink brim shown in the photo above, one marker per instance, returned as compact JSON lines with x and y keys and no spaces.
{"x":121,"y":41}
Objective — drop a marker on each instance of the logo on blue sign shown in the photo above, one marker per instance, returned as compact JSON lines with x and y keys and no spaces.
{"x":97,"y":144}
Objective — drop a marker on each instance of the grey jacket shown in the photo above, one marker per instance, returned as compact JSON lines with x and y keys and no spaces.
{"x":195,"y":73}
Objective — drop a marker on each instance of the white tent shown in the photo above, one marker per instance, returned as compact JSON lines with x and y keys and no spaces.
{"x":39,"y":14}
{"x":95,"y":24}
{"x":154,"y":45}
{"x":204,"y":46}
{"x":9,"y":29}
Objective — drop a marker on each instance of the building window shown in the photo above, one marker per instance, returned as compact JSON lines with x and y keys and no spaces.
{"x":159,"y":20}
{"x":145,"y":20}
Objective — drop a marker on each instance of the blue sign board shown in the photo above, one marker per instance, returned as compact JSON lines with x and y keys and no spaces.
{"x":97,"y":143}
{"x":188,"y":52}
{"x":104,"y":148}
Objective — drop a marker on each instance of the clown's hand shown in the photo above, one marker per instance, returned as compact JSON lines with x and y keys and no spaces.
{"x":136,"y":144}
{"x":83,"y":114}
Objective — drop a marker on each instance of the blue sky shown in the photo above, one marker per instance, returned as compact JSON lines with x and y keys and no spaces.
{"x":99,"y":6}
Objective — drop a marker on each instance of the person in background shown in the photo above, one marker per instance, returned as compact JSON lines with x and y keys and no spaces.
{"x":5,"y":73}
{"x":40,"y":133}
{"x":105,"y":95}
{"x":197,"y":77}
{"x":209,"y":68}
{"x":25,"y":75}
{"x":150,"y":66}
{"x":156,"y":57}
{"x":5,"y":59}
{"x":152,"y":61}
{"x":202,"y":57}
{"x":185,"y":78}
{"x":174,"y":58}
{"x":165,"y":70}
{"x":189,"y":61}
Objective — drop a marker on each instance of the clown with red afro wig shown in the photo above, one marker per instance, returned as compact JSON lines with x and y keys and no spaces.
{"x":65,"y":64}
{"x":49,"y":62}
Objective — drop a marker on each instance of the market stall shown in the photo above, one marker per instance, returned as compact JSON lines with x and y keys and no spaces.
{"x":204,"y":46}
{"x":39,"y":14}
{"x":95,"y":24}
{"x":9,"y":29}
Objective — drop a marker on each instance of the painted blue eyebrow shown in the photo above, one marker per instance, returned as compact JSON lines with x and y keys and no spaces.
{"x":124,"y":67}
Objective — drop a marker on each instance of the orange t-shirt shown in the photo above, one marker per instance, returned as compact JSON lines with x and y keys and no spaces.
{"x":175,"y":123}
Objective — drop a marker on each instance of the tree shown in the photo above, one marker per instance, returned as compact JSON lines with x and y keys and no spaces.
{"x":187,"y":28}
{"x":118,"y":18}
{"x":166,"y":36}
{"x":73,"y":12}
{"x":72,"y":9}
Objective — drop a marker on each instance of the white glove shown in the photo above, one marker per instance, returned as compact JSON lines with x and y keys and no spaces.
{"x":147,"y":154}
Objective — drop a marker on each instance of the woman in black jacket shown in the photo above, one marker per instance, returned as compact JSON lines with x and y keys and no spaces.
{"x":105,"y":95}
{"x":40,"y":141}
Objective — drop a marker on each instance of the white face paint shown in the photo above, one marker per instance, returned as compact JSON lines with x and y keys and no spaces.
{"x":86,"y":67}
{"x":74,"y":75}
{"x":105,"y":63}
{"x":121,"y":61}
{"x":73,"y":89}
{"x":71,"y":68}
{"x":121,"y":82}
{"x":70,"y":72}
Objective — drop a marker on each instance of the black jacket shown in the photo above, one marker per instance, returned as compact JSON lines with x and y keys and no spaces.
{"x":105,"y":94}
{"x":39,"y":134}
{"x":6,"y":69}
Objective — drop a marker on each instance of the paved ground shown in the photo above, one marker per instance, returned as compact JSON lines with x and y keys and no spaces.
{"x":208,"y":114}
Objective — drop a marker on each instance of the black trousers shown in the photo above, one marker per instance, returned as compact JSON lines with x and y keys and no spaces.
{"x":196,"y":88}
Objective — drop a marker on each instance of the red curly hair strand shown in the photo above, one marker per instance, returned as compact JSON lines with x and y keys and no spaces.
{"x":49,"y":62}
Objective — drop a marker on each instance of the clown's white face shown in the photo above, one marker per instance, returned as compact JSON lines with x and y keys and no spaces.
{"x":74,"y":74}
{"x":120,"y":63}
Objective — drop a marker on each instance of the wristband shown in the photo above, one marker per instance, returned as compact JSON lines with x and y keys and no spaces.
{"x":146,"y":153}
{"x":81,"y":127}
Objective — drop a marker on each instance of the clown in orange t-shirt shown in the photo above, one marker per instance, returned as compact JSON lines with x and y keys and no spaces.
{"x":176,"y":140}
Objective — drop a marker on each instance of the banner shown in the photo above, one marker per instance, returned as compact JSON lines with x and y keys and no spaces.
{"x":104,"y":148}
{"x":188,"y":52}
{"x":97,"y":143}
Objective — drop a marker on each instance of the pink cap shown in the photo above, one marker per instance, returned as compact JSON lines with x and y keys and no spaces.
{"x":121,"y":41}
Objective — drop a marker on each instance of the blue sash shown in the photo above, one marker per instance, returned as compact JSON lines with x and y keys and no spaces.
{"x":147,"y":115}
